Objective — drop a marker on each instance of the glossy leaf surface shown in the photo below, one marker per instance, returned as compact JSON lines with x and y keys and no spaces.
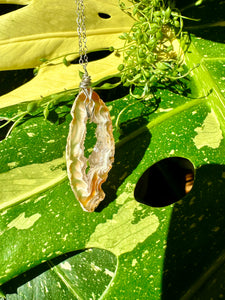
{"x":138,"y":251}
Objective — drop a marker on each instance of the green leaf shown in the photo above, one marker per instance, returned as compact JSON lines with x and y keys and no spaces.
{"x":66,"y":277}
{"x":139,"y":250}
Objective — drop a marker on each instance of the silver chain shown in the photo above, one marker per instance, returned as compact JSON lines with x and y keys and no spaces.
{"x":81,"y":30}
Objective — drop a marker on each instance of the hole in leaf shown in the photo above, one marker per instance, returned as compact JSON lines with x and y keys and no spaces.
{"x":10,"y":80}
{"x":90,"y":141}
{"x":165,"y":182}
{"x":92,"y":56}
{"x":104,"y":15}
{"x":4,"y":129}
{"x":7,"y":8}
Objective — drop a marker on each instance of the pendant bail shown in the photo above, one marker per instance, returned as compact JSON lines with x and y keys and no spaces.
{"x":86,"y":81}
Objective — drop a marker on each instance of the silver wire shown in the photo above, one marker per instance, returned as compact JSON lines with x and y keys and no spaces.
{"x":81,"y":30}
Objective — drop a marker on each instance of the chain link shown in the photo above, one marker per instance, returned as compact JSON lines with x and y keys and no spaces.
{"x":81,"y":30}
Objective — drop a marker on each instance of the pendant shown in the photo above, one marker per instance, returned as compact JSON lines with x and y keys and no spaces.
{"x":86,"y":183}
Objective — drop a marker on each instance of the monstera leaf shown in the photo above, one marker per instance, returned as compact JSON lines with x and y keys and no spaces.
{"x":47,"y":30}
{"x":135,"y":246}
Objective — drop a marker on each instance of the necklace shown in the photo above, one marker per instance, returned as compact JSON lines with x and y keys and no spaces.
{"x":86,"y":182}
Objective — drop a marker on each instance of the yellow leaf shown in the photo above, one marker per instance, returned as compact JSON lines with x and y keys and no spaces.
{"x":47,"y":29}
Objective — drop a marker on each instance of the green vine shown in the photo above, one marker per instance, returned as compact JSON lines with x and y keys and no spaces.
{"x":153,"y":56}
{"x":46,"y":105}
{"x":154,"y":47}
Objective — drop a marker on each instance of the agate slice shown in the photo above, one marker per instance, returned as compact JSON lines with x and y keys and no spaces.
{"x":86,"y":183}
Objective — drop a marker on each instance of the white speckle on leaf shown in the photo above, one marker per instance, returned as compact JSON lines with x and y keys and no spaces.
{"x":172,"y":152}
{"x":164,"y":109}
{"x":134,"y":262}
{"x":30,"y":134}
{"x":66,"y":266}
{"x":50,"y":141}
{"x":108,"y":272}
{"x":209,"y":134}
{"x":4,"y":212}
{"x":39,"y":198}
{"x":95,"y":268}
{"x":122,"y":198}
{"x":146,"y":252}
{"x":65,"y":237}
{"x":13,"y":164}
{"x":124,"y":233}
{"x":21,"y":222}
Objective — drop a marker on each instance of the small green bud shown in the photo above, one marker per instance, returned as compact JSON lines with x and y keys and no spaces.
{"x":157,"y":19}
{"x":141,"y":53}
{"x":169,"y":48}
{"x":153,"y":80}
{"x":159,"y":35}
{"x":120,"y":67}
{"x":122,"y":5}
{"x":81,"y":74}
{"x":175,"y":14}
{"x":157,"y":13}
{"x":177,"y":24}
{"x":180,"y":69}
{"x":51,"y":104}
{"x":31,"y":107}
{"x":135,"y":10}
{"x":111,"y":49}
{"x":162,"y":66}
{"x":152,"y":41}
{"x":35,"y":71}
{"x":134,"y":28}
{"x":146,"y":73}
{"x":124,"y":36}
{"x":168,"y":13}
{"x":66,"y":62}
{"x":43,"y":59}
{"x":46,"y":113}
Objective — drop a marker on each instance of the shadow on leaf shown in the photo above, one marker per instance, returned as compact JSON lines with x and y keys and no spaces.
{"x":65,"y":277}
{"x":195,"y":243}
{"x":129,"y":153}
{"x":211,"y":15}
